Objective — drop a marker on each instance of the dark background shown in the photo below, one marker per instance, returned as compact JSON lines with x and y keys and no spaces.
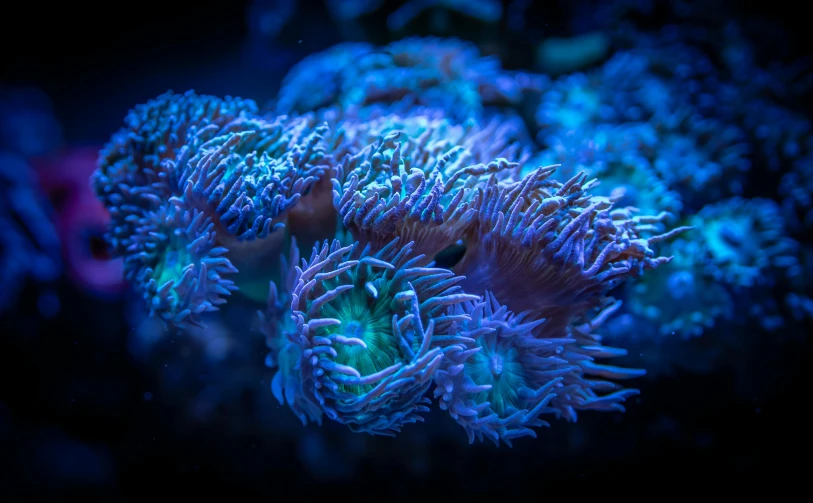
{"x":742,"y":426}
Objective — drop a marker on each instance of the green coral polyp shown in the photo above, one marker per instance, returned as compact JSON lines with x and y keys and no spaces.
{"x":368,"y":320}
{"x":497,"y":365}
{"x":373,"y":329}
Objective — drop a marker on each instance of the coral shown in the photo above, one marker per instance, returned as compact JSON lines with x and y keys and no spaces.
{"x":682,"y":298}
{"x":174,"y":261}
{"x":373,"y":331}
{"x":619,"y":157}
{"x":249,"y":179}
{"x":448,"y":74}
{"x":745,"y":241}
{"x":695,"y":146}
{"x":29,"y":245}
{"x":285,"y":354}
{"x":131,"y":179}
{"x":517,"y":372}
{"x":417,"y":241}
{"x":550,"y":248}
{"x":420,"y":189}
{"x":318,"y":80}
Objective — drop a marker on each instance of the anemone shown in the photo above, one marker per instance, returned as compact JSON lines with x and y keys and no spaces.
{"x":745,"y":241}
{"x":175,"y":263}
{"x":248,"y":179}
{"x":285,"y":354}
{"x":499,"y":388}
{"x":519,"y":369}
{"x":131,"y":179}
{"x":550,"y":248}
{"x":419,"y":191}
{"x":373,"y":330}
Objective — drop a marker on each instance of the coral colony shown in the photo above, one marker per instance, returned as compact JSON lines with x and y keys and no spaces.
{"x":414,"y":238}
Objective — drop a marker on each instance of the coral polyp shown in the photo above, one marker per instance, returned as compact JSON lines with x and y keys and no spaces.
{"x":175,"y":262}
{"x":373,"y":330}
{"x":745,"y":241}
{"x":131,"y":179}
{"x":550,"y":248}
{"x":411,"y":191}
{"x":249,"y":179}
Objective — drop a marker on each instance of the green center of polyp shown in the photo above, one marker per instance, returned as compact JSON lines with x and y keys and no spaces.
{"x":370,"y":320}
{"x":171,"y":267}
{"x":497,"y":365}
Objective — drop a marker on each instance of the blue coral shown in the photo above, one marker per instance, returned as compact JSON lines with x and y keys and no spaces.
{"x":373,"y":330}
{"x":29,"y":245}
{"x":131,"y":178}
{"x":176,"y":264}
{"x":449,"y":74}
{"x":439,"y":248}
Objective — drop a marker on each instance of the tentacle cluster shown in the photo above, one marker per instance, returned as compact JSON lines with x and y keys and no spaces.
{"x":520,"y":369}
{"x":373,"y":328}
{"x":285,"y":353}
{"x":552,"y":249}
{"x":131,"y":179}
{"x":249,"y":179}
{"x":419,"y":189}
{"x":175,"y":262}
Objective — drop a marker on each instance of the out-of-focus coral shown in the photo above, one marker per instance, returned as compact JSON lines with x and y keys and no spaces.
{"x":684,"y":298}
{"x":81,"y":220}
{"x":745,"y":241}
{"x":29,"y":243}
{"x":448,"y":74}
{"x":488,"y":11}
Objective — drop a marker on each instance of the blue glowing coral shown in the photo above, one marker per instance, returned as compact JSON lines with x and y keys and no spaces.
{"x":175,"y":262}
{"x":448,"y":74}
{"x":746,"y":242}
{"x":550,"y":248}
{"x":420,"y":188}
{"x":29,"y":245}
{"x":373,"y":329}
{"x":442,"y":255}
{"x":285,"y":353}
{"x":131,"y":178}
{"x":249,"y":178}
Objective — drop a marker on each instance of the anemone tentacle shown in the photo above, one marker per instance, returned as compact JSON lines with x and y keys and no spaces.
{"x":552,"y":249}
{"x":396,"y":189}
{"x":131,"y":178}
{"x":176,"y":264}
{"x":285,"y":354}
{"x":373,"y":328}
